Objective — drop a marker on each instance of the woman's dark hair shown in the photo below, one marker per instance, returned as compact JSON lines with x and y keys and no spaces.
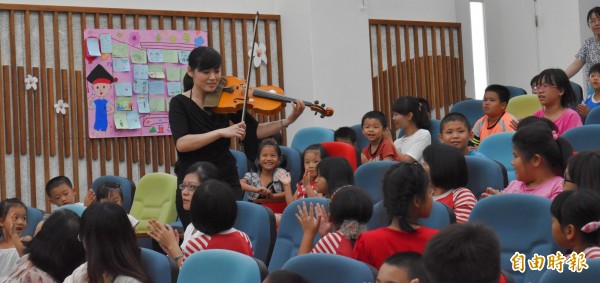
{"x":559,"y":79}
{"x":577,"y":208}
{"x":538,"y":139}
{"x":213,"y":207}
{"x":204,"y":170}
{"x":110,"y":243}
{"x":350,"y":203}
{"x":409,"y":104}
{"x":593,"y":11}
{"x":403,"y":182}
{"x":584,"y":170}
{"x":187,"y":82}
{"x":55,"y":249}
{"x":337,"y":172}
{"x":204,"y":58}
{"x":533,"y":120}
{"x":5,"y":206}
{"x":313,"y":147}
{"x":447,"y":166}
{"x":105,"y":188}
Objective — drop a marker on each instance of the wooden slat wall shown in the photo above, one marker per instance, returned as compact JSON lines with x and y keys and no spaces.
{"x":422,"y":59}
{"x":37,"y":144}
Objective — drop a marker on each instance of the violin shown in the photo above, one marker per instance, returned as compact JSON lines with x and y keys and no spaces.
{"x":266,"y":100}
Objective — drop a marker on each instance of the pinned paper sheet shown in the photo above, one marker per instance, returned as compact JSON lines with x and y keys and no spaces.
{"x":93,"y":47}
{"x":121,"y":65}
{"x":155,"y":56}
{"x":173,"y":88}
{"x":123,"y":103}
{"x":133,"y":120}
{"x":123,"y":89}
{"x":140,"y":86}
{"x":105,"y":43}
{"x":183,"y":72}
{"x":156,"y":87}
{"x":157,"y":104}
{"x":168,"y":103}
{"x":143,"y":104}
{"x":138,"y":56}
{"x":170,"y":56}
{"x":183,"y":56}
{"x":121,"y":120}
{"x":120,"y":50}
{"x":155,"y":71}
{"x":140,"y":72}
{"x":173,"y":74}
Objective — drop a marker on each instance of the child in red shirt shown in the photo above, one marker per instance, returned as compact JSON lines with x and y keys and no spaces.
{"x":374,"y":124}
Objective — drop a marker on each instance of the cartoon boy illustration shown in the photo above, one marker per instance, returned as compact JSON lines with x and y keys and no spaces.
{"x":101,"y":82}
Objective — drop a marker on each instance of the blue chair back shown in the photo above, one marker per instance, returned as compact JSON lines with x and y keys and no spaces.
{"x":127,"y":187}
{"x":77,"y":208}
{"x":379,"y":218}
{"x":34,"y":216}
{"x":484,"y":173}
{"x":369,"y":176}
{"x":325,"y":268}
{"x":293,"y":164}
{"x":158,"y":267}
{"x":289,"y":234}
{"x":586,"y":137}
{"x":515,"y":91}
{"x":241,"y":162}
{"x":591,"y":274}
{"x":440,"y":217}
{"x":258,"y":222}
{"x":435,"y":131}
{"x":219,"y":266}
{"x":578,"y":92}
{"x":471,"y":108}
{"x":311,"y":135}
{"x":523,"y":224}
{"x":361,"y":140}
{"x":593,"y":117}
{"x":499,"y":147}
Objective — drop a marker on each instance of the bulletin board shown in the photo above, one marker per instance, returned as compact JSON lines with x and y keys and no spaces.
{"x":131,"y":76}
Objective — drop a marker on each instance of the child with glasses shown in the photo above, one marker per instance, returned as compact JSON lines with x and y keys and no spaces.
{"x":557,"y":96}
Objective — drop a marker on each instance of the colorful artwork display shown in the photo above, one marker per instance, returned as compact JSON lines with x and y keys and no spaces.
{"x":131,"y":76}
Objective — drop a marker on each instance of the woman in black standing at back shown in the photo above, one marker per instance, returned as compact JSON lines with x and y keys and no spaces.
{"x":203,"y":135}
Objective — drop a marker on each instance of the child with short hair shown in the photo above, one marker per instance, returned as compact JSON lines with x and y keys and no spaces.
{"x":269,"y":181}
{"x":540,"y":158}
{"x":403,"y":267}
{"x":576,"y":222}
{"x":557,"y":96}
{"x":496,"y":119}
{"x":333,"y":173}
{"x":412,"y":116}
{"x":465,"y":253}
{"x":13,"y":220}
{"x":534,"y":84}
{"x":312,"y":155}
{"x":60,"y":192}
{"x":406,"y":198}
{"x":447,"y":169}
{"x":582,"y":171}
{"x":213,"y":212}
{"x":455,"y":131}
{"x":350,"y":209}
{"x":373,"y":126}
{"x":111,"y":192}
{"x":593,"y":100}
{"x":345,"y":134}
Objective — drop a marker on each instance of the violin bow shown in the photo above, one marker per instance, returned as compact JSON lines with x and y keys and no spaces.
{"x":250,"y":67}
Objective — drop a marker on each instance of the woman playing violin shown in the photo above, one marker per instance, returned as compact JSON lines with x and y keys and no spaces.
{"x":203,"y":135}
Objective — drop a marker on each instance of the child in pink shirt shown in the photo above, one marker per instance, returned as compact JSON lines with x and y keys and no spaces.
{"x":540,"y":158}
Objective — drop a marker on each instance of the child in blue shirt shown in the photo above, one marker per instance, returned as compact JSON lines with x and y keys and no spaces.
{"x":593,"y":100}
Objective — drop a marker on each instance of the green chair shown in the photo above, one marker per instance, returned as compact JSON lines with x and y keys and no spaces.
{"x":154,"y":199}
{"x":523,"y":105}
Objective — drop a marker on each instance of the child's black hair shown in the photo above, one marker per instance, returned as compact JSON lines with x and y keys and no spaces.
{"x":538,"y":139}
{"x":533,"y":120}
{"x":412,"y":262}
{"x":595,"y":68}
{"x":213,"y":207}
{"x":105,"y":188}
{"x":454,"y":117}
{"x":559,"y":79}
{"x":313,"y":147}
{"x":463,"y":253}
{"x":578,"y":208}
{"x":5,"y":206}
{"x":350,"y":203}
{"x":345,"y":133}
{"x":403,"y":182}
{"x":502,"y":92}
{"x":375,"y":115}
{"x":285,"y":276}
{"x":337,"y":172}
{"x":409,"y":104}
{"x":57,"y":181}
{"x":583,"y":170}
{"x":534,"y":80}
{"x":447,"y":166}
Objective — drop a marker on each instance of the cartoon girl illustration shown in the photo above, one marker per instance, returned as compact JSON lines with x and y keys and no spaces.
{"x":101,"y":82}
